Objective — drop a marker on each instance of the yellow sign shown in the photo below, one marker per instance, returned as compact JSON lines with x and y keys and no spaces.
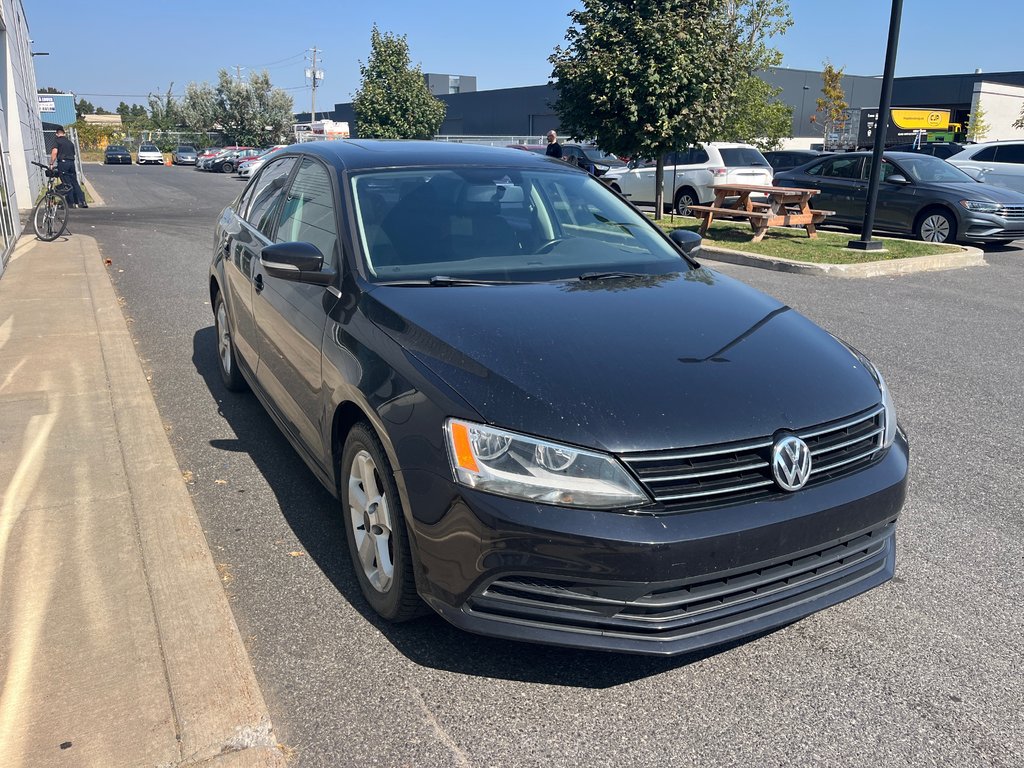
{"x":921,"y":119}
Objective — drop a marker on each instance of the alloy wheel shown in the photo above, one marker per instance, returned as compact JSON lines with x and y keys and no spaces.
{"x":935,"y":228}
{"x":370,"y":521}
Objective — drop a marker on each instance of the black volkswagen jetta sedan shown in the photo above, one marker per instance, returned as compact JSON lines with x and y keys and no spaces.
{"x":542,"y":417}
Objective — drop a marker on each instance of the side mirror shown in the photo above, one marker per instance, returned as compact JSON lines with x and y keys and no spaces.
{"x":688,"y":242}
{"x":297,"y":262}
{"x":897,"y":178}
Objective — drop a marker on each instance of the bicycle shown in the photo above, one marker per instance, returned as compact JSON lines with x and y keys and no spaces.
{"x":50,"y":216}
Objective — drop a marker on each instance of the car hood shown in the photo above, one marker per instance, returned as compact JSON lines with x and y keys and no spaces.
{"x":664,"y":361}
{"x":980,"y":191}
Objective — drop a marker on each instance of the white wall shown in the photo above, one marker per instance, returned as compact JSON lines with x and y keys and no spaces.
{"x":1002,"y":105}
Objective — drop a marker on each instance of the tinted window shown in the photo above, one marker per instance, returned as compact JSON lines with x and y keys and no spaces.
{"x":266,"y":193}
{"x":1010,"y":153}
{"x":148,"y":148}
{"x":698,"y":156}
{"x":842,"y":168}
{"x":308,"y":212}
{"x":501,"y":224}
{"x":738,"y":157}
{"x":988,"y":154}
{"x":931,"y":169}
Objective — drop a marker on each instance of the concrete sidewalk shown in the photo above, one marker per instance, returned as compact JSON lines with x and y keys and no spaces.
{"x":117,"y":644}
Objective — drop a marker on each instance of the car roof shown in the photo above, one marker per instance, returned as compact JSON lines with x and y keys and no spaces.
{"x":359,"y":154}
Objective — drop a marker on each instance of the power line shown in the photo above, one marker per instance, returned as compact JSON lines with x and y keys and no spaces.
{"x":299,"y":55}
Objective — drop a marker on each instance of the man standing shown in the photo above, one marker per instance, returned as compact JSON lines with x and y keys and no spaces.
{"x":554,"y":148}
{"x":62,"y":156}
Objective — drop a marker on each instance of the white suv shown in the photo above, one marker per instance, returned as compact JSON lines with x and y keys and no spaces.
{"x":996,"y":162}
{"x":690,"y":175}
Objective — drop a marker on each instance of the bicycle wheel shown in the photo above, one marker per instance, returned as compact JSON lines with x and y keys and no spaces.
{"x":50,"y":218}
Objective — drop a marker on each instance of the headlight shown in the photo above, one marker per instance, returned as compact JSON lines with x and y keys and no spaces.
{"x":890,"y":410}
{"x":510,"y":464}
{"x":981,"y":206}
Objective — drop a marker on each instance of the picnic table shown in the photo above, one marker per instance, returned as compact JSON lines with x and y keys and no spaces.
{"x":782,"y":207}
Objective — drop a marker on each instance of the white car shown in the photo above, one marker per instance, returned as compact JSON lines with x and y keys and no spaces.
{"x":690,"y":175}
{"x":148,"y":153}
{"x":995,"y":162}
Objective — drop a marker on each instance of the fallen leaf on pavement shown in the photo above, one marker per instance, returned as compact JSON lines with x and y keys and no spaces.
{"x":296,"y":553}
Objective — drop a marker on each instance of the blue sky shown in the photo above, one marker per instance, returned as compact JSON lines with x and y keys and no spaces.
{"x":108,"y":52}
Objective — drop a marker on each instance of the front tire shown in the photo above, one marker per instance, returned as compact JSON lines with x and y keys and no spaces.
{"x":227,"y":360}
{"x":375,"y":528}
{"x":936,"y":226}
{"x":50,"y":217}
{"x":227,"y":168}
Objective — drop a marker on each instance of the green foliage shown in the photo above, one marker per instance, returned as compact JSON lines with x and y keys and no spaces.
{"x":49,"y":89}
{"x":393,"y":101}
{"x":645,"y":77}
{"x":251,"y":113}
{"x":757,"y":116}
{"x":84,"y":107}
{"x":832,"y":106}
{"x":163,"y":110}
{"x":93,"y":136}
{"x":198,"y":108}
{"x":977,"y":125}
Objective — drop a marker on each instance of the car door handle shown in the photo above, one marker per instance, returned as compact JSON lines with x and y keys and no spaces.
{"x":258,"y":283}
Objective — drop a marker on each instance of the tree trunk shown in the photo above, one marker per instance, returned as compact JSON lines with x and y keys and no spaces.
{"x":659,"y":187}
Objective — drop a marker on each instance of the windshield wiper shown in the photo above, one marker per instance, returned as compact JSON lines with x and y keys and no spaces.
{"x":608,"y":275}
{"x":444,"y":280}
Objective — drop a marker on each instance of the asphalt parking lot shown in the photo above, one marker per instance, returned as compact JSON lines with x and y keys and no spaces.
{"x":922,"y":671}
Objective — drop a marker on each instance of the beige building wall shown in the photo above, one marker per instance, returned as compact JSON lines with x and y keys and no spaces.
{"x":1002,"y":105}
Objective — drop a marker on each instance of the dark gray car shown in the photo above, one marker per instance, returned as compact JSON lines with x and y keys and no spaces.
{"x":919,"y":194}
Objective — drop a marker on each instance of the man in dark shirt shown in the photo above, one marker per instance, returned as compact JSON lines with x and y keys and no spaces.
{"x":62,"y":157}
{"x":554,"y":148}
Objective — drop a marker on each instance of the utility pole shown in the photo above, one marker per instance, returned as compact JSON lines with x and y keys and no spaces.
{"x":315,"y":75}
{"x":238,"y":72}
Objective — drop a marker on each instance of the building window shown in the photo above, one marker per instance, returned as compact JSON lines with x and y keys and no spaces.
{"x":453,"y":84}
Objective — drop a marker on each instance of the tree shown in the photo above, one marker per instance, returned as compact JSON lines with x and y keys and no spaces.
{"x":84,"y":107}
{"x":163,"y":110}
{"x":253,"y":113}
{"x":645,"y":77}
{"x":977,"y":126}
{"x":832,"y":105}
{"x":393,"y":101}
{"x":756,"y":115}
{"x":198,"y":107}
{"x":49,"y":89}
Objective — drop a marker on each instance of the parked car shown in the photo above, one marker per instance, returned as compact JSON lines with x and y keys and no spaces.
{"x":226,"y":162}
{"x":149,"y":153}
{"x":253,"y":164}
{"x":919,"y":195}
{"x":588,"y":156}
{"x":204,"y":157}
{"x":542,"y":417}
{"x":941,"y":149}
{"x":216,"y":161}
{"x":784,"y":159}
{"x":690,"y":175}
{"x":539,"y":149}
{"x":184,"y":155}
{"x":115,"y":154}
{"x":997,"y":162}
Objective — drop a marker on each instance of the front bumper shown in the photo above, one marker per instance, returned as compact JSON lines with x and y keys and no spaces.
{"x":983,"y":227}
{"x":654,"y":585}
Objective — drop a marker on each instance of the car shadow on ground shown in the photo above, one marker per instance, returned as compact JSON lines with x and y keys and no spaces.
{"x":314,"y":516}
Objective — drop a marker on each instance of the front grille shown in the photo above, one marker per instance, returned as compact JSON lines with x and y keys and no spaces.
{"x":1011,"y":212}
{"x":674,"y":610}
{"x":741,"y":471}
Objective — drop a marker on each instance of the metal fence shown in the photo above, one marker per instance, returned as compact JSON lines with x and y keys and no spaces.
{"x":493,"y":141}
{"x":50,"y":139}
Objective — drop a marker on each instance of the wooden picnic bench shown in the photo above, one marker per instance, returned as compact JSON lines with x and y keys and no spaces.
{"x":783,"y":207}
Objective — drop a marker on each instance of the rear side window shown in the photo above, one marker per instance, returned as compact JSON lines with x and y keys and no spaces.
{"x":739,"y":157}
{"x":842,"y":168}
{"x":988,"y":154}
{"x":1010,"y":153}
{"x":266,"y":194}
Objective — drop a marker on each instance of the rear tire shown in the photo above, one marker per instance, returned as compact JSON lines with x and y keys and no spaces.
{"x":227,"y":359}
{"x":227,"y":168}
{"x":685,"y":197}
{"x":375,"y":528}
{"x":50,"y":217}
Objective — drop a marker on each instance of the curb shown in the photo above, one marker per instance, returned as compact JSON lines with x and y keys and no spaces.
{"x":967,"y":257}
{"x":96,"y":199}
{"x":221,"y":716}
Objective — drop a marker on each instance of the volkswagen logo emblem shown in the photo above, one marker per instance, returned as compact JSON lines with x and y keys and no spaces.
{"x":791,"y":462}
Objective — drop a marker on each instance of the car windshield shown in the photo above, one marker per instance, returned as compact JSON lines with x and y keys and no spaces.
{"x":148,"y":148}
{"x":926,"y":168}
{"x":116,"y":149}
{"x":182,"y":150}
{"x":502,"y":224}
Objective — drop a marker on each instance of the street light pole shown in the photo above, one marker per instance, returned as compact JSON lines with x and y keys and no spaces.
{"x":865,"y":243}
